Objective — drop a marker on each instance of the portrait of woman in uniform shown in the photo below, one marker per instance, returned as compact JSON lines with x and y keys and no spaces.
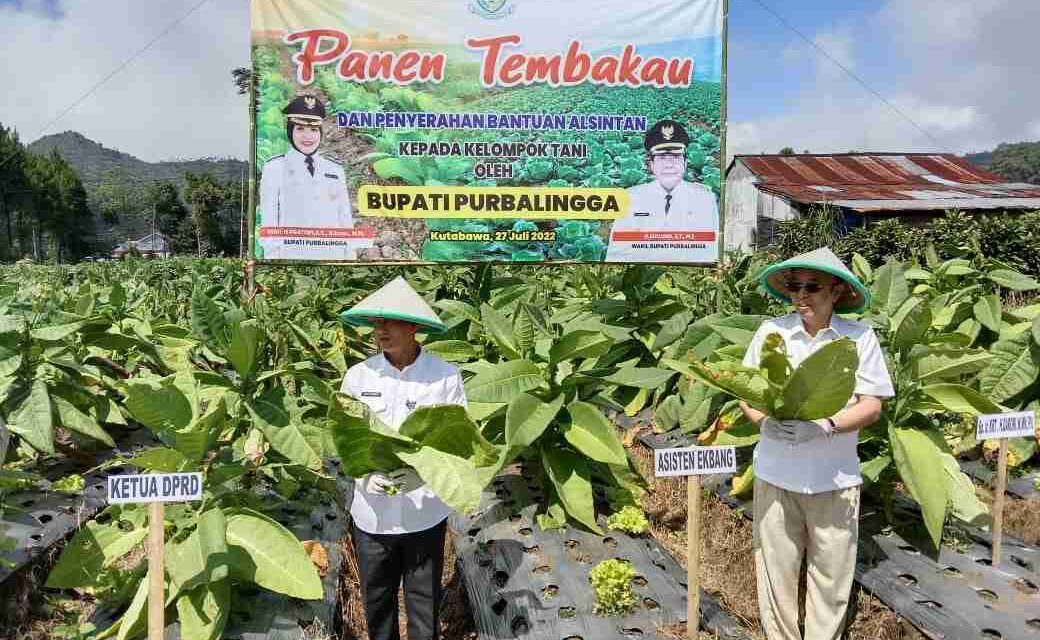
{"x":668,"y":203}
{"x":303,"y":189}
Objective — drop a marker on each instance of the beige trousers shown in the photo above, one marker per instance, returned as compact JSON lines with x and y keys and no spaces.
{"x":822,"y":527}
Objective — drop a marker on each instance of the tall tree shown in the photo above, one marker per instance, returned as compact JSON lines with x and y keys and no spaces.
{"x":15,"y":191}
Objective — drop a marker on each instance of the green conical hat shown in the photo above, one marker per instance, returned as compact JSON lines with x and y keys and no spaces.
{"x":396,"y":300}
{"x":856,"y":297}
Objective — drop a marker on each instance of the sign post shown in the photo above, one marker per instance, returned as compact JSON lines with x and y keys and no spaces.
{"x":155,"y":489}
{"x":1001,"y":426}
{"x":693,"y":462}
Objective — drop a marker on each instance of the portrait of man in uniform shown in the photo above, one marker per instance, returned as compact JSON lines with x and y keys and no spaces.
{"x":669,"y":218}
{"x":303,"y":189}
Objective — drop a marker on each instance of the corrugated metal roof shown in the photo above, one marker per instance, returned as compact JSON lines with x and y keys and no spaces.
{"x":888,"y":182}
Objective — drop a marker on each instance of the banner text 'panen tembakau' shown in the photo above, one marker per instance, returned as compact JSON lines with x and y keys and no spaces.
{"x":488,"y":130}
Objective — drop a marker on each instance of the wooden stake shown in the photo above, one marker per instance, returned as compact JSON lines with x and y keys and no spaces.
{"x":693,"y":557}
{"x":998,"y":500}
{"x":156,"y":591}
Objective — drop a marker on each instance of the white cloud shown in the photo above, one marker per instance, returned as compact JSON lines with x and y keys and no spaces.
{"x":962,"y":70}
{"x":175,"y":100}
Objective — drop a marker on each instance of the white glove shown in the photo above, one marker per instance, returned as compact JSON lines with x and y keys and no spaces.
{"x":802,"y":431}
{"x":378,"y":483}
{"x":406,"y":479}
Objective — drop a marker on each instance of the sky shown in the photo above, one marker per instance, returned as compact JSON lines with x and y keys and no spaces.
{"x":939,"y":75}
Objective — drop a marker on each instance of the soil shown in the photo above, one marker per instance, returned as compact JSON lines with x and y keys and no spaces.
{"x":727,"y":557}
{"x":1021,"y":517}
{"x":456,"y":621}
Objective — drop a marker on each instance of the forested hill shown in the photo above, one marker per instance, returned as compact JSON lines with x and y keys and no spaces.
{"x":1017,"y":161}
{"x":91,"y":160}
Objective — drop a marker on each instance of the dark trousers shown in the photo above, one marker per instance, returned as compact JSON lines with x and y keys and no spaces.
{"x":383,"y":561}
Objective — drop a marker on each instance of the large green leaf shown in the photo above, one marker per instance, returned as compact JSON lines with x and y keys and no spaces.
{"x":58,"y":331}
{"x":201,"y":557}
{"x":666,"y":413}
{"x":449,"y":429}
{"x":696,"y":413}
{"x":500,"y":330}
{"x":592,"y":434}
{"x":1013,"y":368}
{"x":737,"y":329}
{"x":823,"y":383}
{"x":244,"y":345}
{"x":74,"y":419}
{"x":94,"y":547}
{"x":890,"y":287}
{"x":569,"y":474}
{"x":671,"y":330}
{"x":947,"y":365}
{"x":271,"y":556}
{"x":960,"y":399}
{"x":504,"y":381}
{"x":283,"y":433}
{"x":741,"y":382}
{"x":160,"y":460}
{"x":459,"y":308}
{"x":203,"y":612}
{"x":452,"y":350}
{"x":910,"y":322}
{"x":987,"y":311}
{"x":919,"y":462}
{"x":527,"y":417}
{"x":132,"y":624}
{"x":640,"y":377}
{"x":207,"y":321}
{"x":456,"y":481}
{"x":1013,"y":280}
{"x":1035,"y":329}
{"x":158,"y":404}
{"x":580,"y":343}
{"x":964,"y":503}
{"x":699,"y":340}
{"x":33,"y":419}
{"x":199,"y":437}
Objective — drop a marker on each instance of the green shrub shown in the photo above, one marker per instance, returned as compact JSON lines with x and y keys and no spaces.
{"x":612,"y":582}
{"x":630,"y":520}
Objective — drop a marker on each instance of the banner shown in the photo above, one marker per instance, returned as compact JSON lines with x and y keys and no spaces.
{"x":488,"y":130}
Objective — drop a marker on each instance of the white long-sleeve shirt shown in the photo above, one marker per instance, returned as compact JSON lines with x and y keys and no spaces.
{"x":392,"y":394}
{"x":689,"y":228}
{"x":290,"y":197}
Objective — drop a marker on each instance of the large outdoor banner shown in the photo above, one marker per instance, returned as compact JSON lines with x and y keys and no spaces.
{"x":488,"y":130}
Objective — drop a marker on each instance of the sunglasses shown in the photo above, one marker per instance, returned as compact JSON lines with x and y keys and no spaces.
{"x":808,"y":287}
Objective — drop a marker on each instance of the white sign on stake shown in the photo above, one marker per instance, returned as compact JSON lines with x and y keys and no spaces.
{"x":1013,"y":424}
{"x":154,"y":487}
{"x":694,"y":461}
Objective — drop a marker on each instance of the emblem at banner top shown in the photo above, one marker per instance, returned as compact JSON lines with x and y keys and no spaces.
{"x":492,"y":9}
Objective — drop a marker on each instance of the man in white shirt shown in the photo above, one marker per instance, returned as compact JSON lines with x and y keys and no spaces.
{"x":399,"y":523}
{"x":303,"y":189}
{"x":807,"y":475}
{"x":669,"y":219}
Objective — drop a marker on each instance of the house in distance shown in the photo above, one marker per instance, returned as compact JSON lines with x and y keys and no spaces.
{"x":153,"y":245}
{"x":762,"y":190}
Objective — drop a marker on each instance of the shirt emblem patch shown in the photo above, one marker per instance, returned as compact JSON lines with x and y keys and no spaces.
{"x":371,"y":394}
{"x":410,"y":404}
{"x":641,"y":213}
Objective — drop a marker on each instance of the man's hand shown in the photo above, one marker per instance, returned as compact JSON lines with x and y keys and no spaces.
{"x":378,"y":483}
{"x":406,"y":479}
{"x":802,"y":431}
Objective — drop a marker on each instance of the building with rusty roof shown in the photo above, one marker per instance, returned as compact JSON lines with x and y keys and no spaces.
{"x":762,"y":190}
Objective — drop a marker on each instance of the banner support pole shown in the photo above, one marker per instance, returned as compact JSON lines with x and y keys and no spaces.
{"x":998,"y":501}
{"x":156,"y":582}
{"x":693,"y":556}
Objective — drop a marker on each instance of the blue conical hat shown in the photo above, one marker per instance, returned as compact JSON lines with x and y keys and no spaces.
{"x":396,"y":300}
{"x":856,"y":297}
